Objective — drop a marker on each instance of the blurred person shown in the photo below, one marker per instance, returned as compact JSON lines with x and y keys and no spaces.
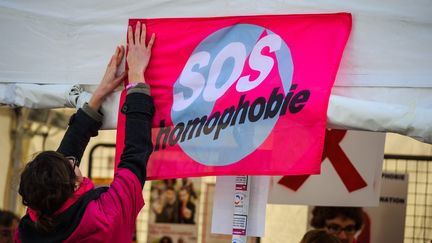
{"x":169,"y":183}
{"x":166,"y":210}
{"x":186,"y":207}
{"x":190,"y":186}
{"x":319,"y":236}
{"x":8,"y":225}
{"x":342,"y":222}
{"x":64,"y":206}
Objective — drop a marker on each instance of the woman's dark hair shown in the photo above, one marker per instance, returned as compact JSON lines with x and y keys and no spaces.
{"x":186,"y":189}
{"x":321,"y":214}
{"x":46,"y":183}
{"x":319,"y":236}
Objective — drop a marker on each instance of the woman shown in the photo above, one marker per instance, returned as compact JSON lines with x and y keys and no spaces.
{"x":63,"y":206}
{"x":186,"y":207}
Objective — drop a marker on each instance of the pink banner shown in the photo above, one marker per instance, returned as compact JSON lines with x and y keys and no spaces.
{"x":241,"y":95}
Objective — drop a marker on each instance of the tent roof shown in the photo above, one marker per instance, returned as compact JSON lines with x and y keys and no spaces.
{"x":383,"y":82}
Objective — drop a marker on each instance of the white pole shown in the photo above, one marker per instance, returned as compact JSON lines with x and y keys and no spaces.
{"x":241,"y":208}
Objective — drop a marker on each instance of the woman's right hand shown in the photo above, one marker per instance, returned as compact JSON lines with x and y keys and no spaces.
{"x":138,"y":53}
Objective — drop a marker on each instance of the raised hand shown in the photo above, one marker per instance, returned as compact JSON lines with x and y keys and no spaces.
{"x":110,"y":80}
{"x":138,"y":53}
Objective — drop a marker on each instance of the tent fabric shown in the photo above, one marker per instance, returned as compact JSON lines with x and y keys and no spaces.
{"x":35,"y":96}
{"x":52,"y":41}
{"x":408,"y":112}
{"x":383,"y":83}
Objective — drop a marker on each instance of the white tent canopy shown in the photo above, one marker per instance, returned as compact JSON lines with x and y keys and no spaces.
{"x":383,"y":83}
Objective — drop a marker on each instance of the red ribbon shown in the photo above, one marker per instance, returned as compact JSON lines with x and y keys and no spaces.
{"x":347,"y":172}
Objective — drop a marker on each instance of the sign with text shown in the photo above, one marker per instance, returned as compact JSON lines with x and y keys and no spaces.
{"x":207,"y":236}
{"x":174,"y":210}
{"x":225,"y":198}
{"x":350,"y":173}
{"x":229,"y":90}
{"x":386,"y":223}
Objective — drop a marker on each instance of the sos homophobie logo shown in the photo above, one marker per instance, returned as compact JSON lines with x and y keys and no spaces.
{"x":231,"y":92}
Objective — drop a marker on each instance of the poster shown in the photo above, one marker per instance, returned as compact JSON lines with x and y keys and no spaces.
{"x":350,"y":173}
{"x":174,"y":207}
{"x":387,"y":222}
{"x":207,"y":236}
{"x":239,"y":85}
{"x":225,"y":198}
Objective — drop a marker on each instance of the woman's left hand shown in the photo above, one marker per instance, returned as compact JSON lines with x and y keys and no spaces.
{"x":110,"y":80}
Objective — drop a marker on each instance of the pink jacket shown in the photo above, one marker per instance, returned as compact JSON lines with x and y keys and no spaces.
{"x":111,"y":217}
{"x":104,"y":214}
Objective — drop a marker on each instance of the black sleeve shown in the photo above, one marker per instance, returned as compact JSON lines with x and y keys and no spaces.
{"x":81,"y":128}
{"x":139,"y":110}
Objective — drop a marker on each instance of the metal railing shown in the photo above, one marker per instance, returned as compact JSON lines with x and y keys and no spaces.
{"x":418,"y":224}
